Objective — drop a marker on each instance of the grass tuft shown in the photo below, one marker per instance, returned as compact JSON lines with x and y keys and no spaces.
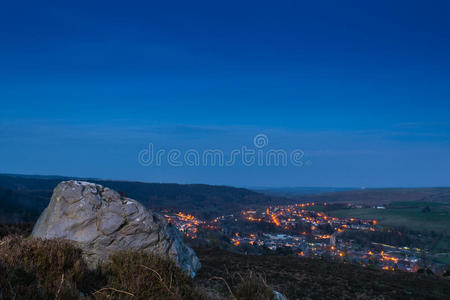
{"x":146,"y":276}
{"x":55,"y":269}
{"x":254,"y":286}
{"x":40,"y":269}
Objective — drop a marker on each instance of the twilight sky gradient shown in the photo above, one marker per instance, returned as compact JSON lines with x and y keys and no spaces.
{"x":362,"y":87}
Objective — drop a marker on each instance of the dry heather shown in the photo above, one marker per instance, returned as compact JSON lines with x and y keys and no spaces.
{"x":23,"y":229}
{"x":146,"y":276}
{"x":40,"y":269}
{"x":302,"y":278}
{"x":54,"y":269}
{"x":253,"y":286}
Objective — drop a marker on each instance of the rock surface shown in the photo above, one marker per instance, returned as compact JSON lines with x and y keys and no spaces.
{"x":101,"y":222}
{"x":278,"y":296}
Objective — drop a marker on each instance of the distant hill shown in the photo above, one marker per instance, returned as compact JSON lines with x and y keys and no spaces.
{"x":23,"y":197}
{"x":18,"y":206}
{"x":381,"y":196}
{"x":297,"y":191}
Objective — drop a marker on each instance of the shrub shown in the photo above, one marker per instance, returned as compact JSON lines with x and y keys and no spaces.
{"x":20,"y":229}
{"x":16,"y":283}
{"x":55,"y":269}
{"x":145,"y":276}
{"x":40,"y":269}
{"x":254,"y":286}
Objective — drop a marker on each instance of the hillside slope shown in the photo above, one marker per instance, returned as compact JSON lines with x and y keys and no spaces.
{"x":304,"y":278}
{"x":31,"y":194}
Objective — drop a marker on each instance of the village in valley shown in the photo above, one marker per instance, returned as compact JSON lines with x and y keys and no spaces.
{"x":302,"y":230}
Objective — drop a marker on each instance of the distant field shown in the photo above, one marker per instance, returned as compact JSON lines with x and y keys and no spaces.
{"x":380,"y":196}
{"x":405,"y":214}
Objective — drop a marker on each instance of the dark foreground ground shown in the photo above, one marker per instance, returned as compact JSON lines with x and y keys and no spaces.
{"x":302,"y":278}
{"x":296,"y":278}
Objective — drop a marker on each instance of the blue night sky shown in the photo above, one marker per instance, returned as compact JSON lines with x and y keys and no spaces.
{"x":361,"y":87}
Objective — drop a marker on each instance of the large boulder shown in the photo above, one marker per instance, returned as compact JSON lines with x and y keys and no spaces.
{"x":101,"y":221}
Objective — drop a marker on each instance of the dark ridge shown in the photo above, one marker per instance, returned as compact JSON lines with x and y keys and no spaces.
{"x":24,"y":197}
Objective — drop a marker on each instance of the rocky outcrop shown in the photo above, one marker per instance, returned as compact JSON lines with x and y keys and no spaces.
{"x":101,"y":222}
{"x":278,"y":296}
